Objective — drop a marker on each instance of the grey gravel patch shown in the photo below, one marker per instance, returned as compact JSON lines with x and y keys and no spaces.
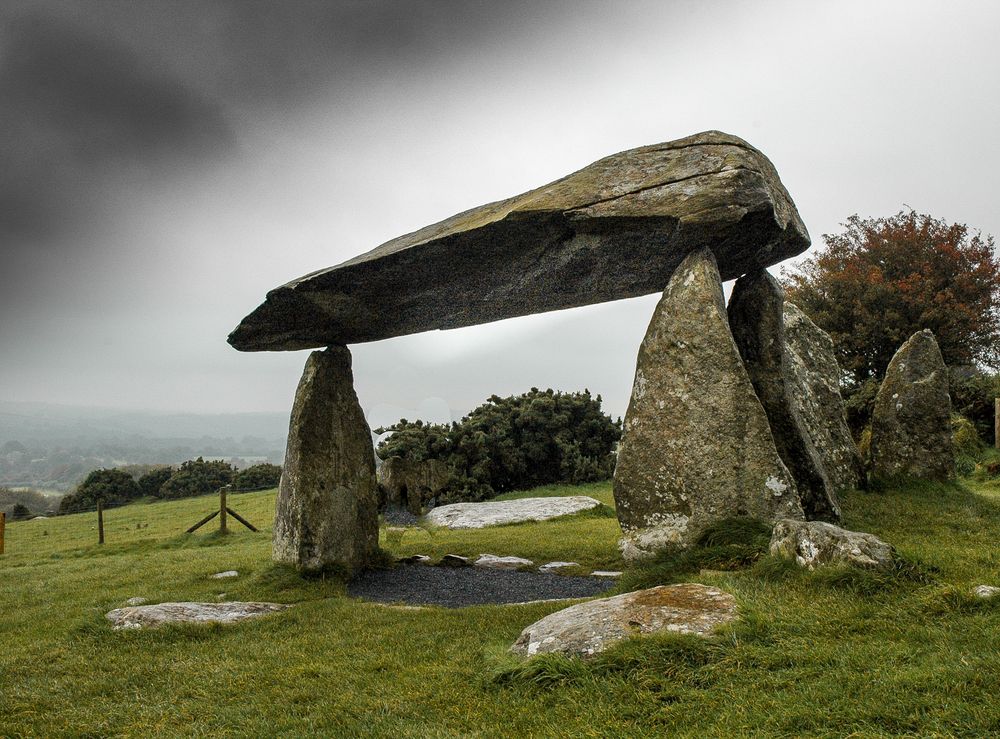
{"x":468,"y":586}
{"x":399,"y":517}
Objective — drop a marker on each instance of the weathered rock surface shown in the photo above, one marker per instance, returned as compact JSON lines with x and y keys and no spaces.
{"x":615,"y":229}
{"x":756,"y":317}
{"x":136,"y":601}
{"x":224,"y":575}
{"x":606,"y":573}
{"x":139,"y":617}
{"x":325,"y":515}
{"x":454,"y":560}
{"x":493,"y":562}
{"x":696,"y":446}
{"x":589,"y":628}
{"x":411,"y":484}
{"x":911,"y":423}
{"x":554,"y":566}
{"x":813,"y":544}
{"x":501,"y":512}
{"x":986,"y":591}
{"x":815,"y":379}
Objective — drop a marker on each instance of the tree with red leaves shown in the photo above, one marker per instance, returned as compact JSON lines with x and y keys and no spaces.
{"x":883,"y":279}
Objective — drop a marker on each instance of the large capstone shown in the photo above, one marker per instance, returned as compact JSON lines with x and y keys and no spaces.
{"x":696,"y":446}
{"x":615,"y":229}
{"x":911,"y":423}
{"x":325,"y":516}
{"x":757,"y":322}
{"x":815,"y":382}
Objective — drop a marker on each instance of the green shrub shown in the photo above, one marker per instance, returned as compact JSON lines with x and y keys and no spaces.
{"x":197,"y":477}
{"x":151,"y":482}
{"x":109,"y":487}
{"x":257,"y":477}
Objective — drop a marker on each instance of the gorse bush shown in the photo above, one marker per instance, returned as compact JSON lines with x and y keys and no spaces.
{"x":257,"y":477}
{"x":197,"y":477}
{"x":109,"y":487}
{"x":514,"y":443}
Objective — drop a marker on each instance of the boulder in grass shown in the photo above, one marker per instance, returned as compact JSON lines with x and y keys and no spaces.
{"x":813,"y":544}
{"x":986,"y":591}
{"x":161,"y":614}
{"x":589,"y":628}
{"x":493,"y":562}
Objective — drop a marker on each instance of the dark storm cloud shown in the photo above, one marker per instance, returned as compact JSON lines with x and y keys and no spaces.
{"x":95,"y":94}
{"x":76,"y":106}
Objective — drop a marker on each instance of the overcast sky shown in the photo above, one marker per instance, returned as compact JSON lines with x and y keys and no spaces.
{"x":164,"y":164}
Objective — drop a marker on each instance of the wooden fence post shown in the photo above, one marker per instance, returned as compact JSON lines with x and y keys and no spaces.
{"x":222,"y":509}
{"x":3,"y":525}
{"x":100,"y":522}
{"x":996,"y":422}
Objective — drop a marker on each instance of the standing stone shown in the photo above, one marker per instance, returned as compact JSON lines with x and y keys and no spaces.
{"x":756,"y":319}
{"x":325,"y":515}
{"x":815,"y":377}
{"x":696,"y":446}
{"x":911,"y":424}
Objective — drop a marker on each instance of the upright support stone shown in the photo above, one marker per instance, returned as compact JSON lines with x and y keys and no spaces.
{"x":816,"y":393}
{"x":756,"y":317}
{"x":911,"y":423}
{"x":696,"y":446}
{"x":325,"y":516}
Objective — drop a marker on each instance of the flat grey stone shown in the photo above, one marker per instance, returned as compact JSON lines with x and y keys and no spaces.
{"x":225,"y":575}
{"x":615,"y":229}
{"x":588,"y":628}
{"x":553,"y":566}
{"x":136,"y":601}
{"x":605,"y":573}
{"x":139,"y":617}
{"x":696,"y":445}
{"x":493,"y":562}
{"x":986,"y":591}
{"x":501,"y":512}
{"x":814,"y":544}
{"x":454,"y":560}
{"x":414,"y":559}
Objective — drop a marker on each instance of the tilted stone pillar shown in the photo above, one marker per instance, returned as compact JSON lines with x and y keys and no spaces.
{"x":325,"y":516}
{"x":756,"y":317}
{"x":696,"y":446}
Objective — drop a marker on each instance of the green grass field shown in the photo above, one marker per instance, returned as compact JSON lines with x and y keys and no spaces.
{"x":830,"y":654}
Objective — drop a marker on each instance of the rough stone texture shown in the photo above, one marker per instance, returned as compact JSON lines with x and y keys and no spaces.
{"x":493,"y":562}
{"x":696,"y":446}
{"x":986,"y":591}
{"x":813,"y":544}
{"x":411,"y":484}
{"x":606,"y":573}
{"x":615,"y":229}
{"x":553,"y":566}
{"x":136,"y":601}
{"x":756,"y":318}
{"x":911,"y":423}
{"x":188,"y":613}
{"x":325,"y":516}
{"x":501,"y":512}
{"x":588,"y":628}
{"x":454,"y":560}
{"x":224,"y":575}
{"x":815,"y":378}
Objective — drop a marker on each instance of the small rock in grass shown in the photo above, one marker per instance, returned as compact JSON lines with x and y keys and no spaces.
{"x":454,"y":560}
{"x":493,"y":562}
{"x":553,"y":566}
{"x":605,"y":573}
{"x":140,"y":617}
{"x":814,"y":543}
{"x":136,"y":601}
{"x":588,"y":628}
{"x":224,"y":575}
{"x":414,"y":559}
{"x":986,"y":591}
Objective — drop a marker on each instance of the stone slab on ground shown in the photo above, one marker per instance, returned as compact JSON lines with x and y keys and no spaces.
{"x":225,"y":575}
{"x":553,"y":566}
{"x":139,"y":617}
{"x":493,"y":562}
{"x":986,"y":591}
{"x":813,"y":544}
{"x":501,"y":512}
{"x":469,"y":586}
{"x":615,"y":229}
{"x":589,"y":628}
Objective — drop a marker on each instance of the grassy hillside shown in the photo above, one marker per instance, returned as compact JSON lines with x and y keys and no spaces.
{"x":826,"y":655}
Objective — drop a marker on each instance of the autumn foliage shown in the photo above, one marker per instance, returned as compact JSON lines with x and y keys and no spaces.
{"x":883,"y":279}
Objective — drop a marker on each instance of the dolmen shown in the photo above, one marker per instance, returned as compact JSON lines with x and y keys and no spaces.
{"x":717,"y":426}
